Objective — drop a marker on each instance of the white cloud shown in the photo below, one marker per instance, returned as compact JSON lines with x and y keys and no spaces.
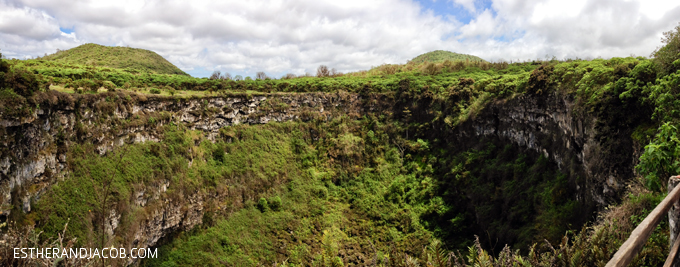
{"x":276,"y":36}
{"x":27,"y":22}
{"x":467,"y":4}
{"x":484,"y":25}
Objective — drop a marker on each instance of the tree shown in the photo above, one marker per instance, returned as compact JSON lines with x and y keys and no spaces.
{"x":216,"y":75}
{"x":226,"y":76}
{"x":261,"y":75}
{"x":322,"y":71}
{"x":666,"y":56}
{"x":335,"y":72}
{"x":289,"y":76}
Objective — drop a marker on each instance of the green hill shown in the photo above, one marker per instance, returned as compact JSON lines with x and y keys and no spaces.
{"x":441,"y":56}
{"x":116,"y":57}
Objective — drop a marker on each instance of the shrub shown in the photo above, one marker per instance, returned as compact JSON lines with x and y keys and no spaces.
{"x":660,"y":158}
{"x":389,"y":69}
{"x":218,"y":154}
{"x":262,"y":204}
{"x":154,"y":91}
{"x":87,"y":84}
{"x":23,"y":82}
{"x":667,"y":56}
{"x":275,"y":203}
{"x":431,"y":68}
{"x":539,"y":81}
{"x":4,"y":68}
{"x":110,"y":86}
{"x":289,"y":76}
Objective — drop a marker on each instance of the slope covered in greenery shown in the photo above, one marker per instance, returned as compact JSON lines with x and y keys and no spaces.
{"x":116,"y":57}
{"x":441,"y":56}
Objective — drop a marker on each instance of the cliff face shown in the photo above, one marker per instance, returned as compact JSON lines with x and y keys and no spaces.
{"x":595,"y":151}
{"x":34,"y":154}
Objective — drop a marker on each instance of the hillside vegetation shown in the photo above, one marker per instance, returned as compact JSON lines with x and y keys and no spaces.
{"x":115,"y":57}
{"x":381,"y":189}
{"x":441,"y":56}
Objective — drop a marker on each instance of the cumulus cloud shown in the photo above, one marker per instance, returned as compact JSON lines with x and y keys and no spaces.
{"x":27,"y":22}
{"x":276,"y":36}
{"x":589,"y":28}
{"x":467,"y":4}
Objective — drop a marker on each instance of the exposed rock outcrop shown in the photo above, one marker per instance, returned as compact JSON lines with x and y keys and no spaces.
{"x":598,"y":163}
{"x":35,"y":156}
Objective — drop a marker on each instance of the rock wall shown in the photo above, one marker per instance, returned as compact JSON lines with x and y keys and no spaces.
{"x":598,"y":165}
{"x":34,"y":154}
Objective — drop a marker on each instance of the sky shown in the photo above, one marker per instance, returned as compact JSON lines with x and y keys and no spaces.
{"x":296,"y":36}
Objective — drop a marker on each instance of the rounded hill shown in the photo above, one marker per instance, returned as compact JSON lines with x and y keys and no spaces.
{"x":116,"y":57}
{"x":441,"y":56}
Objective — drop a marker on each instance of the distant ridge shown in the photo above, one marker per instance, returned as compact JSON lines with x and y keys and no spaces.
{"x":116,"y":57}
{"x":441,"y":56}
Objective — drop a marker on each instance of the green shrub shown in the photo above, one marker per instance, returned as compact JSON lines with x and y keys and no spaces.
{"x":262,"y":205}
{"x":539,"y":81}
{"x":4,"y":68}
{"x":110,"y":86}
{"x":275,"y":203}
{"x":23,"y":82}
{"x":661,"y":157}
{"x":667,"y":56}
{"x":218,"y":153}
{"x":90,"y":85}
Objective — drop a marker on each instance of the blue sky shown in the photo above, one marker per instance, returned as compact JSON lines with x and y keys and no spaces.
{"x":448,"y":8}
{"x":296,"y":36}
{"x":66,"y":30}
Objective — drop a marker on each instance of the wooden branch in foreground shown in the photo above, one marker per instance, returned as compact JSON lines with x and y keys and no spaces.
{"x":672,"y":255}
{"x":639,"y":236}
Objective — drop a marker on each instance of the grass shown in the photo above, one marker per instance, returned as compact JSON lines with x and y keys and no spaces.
{"x":248,"y":168}
{"x":441,"y":56}
{"x":116,"y":57}
{"x":177,"y":94}
{"x":334,"y":203}
{"x":378,"y":80}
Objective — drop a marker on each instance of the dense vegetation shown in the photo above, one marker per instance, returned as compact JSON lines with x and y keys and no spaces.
{"x":132,"y":59}
{"x":382,"y":79}
{"x":379,"y":189}
{"x":441,"y":56}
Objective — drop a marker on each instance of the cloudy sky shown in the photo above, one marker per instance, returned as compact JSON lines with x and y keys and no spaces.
{"x":296,"y":36}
